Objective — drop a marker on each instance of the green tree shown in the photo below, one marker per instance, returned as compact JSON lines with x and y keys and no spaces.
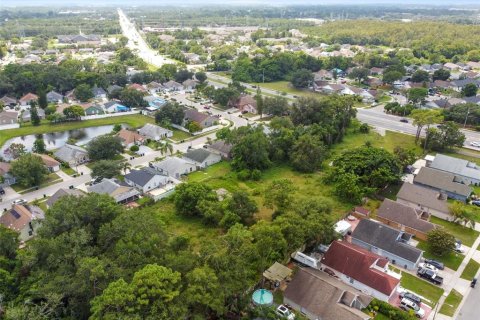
{"x":348,"y":187}
{"x":74,"y":112}
{"x":39,"y":146}
{"x":170,"y":112}
{"x":29,"y":170}
{"x":470,"y":90}
{"x":241,"y":205}
{"x":83,"y":92}
{"x":441,"y":74}
{"x":276,"y":106}
{"x":106,"y":168}
{"x":35,"y":119}
{"x":440,"y":241}
{"x":203,"y":293}
{"x":250,"y":152}
{"x":133,"y":98}
{"x":42,"y":99}
{"x":189,"y":195}
{"x":445,"y":137}
{"x":424,"y":117}
{"x":16,"y":150}
{"x":420,"y":76}
{"x":308,"y":153}
{"x":104,"y":147}
{"x":417,"y":95}
{"x":405,"y":157}
{"x":279,"y":195}
{"x":194,"y":126}
{"x":201,"y":76}
{"x":117,"y":127}
{"x":359,"y":74}
{"x":391,"y":76}
{"x":302,"y":78}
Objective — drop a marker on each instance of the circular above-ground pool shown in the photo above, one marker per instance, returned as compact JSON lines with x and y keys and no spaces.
{"x":262,"y":297}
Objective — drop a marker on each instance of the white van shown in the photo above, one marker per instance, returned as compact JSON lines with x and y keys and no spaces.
{"x":306,"y":260}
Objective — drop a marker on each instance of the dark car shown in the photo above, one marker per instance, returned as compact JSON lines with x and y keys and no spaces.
{"x":435,"y":263}
{"x":404,"y":120}
{"x":476,"y":203}
{"x":411,"y":296}
{"x":430,"y":275}
{"x":2,"y":191}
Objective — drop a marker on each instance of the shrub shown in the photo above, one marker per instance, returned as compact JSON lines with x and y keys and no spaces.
{"x":390,"y":311}
{"x":134,"y":148}
{"x":364,"y":128}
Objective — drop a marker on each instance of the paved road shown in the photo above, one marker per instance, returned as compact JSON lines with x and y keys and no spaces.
{"x":470,"y":309}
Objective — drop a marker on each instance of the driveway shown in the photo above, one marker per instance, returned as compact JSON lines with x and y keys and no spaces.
{"x":395,"y":301}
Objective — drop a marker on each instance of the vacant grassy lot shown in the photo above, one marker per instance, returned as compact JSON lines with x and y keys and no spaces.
{"x":451,"y":303}
{"x":179,"y":135}
{"x":471,"y":270}
{"x":451,"y":260}
{"x":133,"y":121}
{"x":425,"y":289}
{"x":466,"y":235}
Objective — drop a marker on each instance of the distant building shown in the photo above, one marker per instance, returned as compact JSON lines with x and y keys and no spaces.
{"x":54,"y":97}
{"x":154,"y":132}
{"x":146,"y":179}
{"x":71,"y":154}
{"x":23,"y":219}
{"x":130,"y":138}
{"x":121,"y":193}
{"x":175,"y":167}
{"x":466,"y":171}
{"x":202,"y":157}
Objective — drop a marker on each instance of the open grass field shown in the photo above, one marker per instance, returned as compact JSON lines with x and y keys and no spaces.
{"x":451,"y":303}
{"x":466,"y":235}
{"x":134,"y":121}
{"x":470,"y":270}
{"x":451,"y":260}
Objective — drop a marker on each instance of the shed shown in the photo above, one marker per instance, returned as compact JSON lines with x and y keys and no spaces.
{"x":342,"y":227}
{"x":277,"y":272}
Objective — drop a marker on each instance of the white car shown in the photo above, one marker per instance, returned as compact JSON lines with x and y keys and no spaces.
{"x":284,"y":312}
{"x":475,"y":144}
{"x":408,"y":305}
{"x":19,"y":201}
{"x":427,"y":266}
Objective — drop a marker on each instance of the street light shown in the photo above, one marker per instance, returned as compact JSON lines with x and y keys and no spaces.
{"x":466,"y":117}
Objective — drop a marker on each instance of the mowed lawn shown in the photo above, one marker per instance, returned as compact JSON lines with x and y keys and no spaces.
{"x":452,"y":260}
{"x":470,"y":270}
{"x":466,"y":235}
{"x":451,"y":303}
{"x":134,"y":121}
{"x":419,"y":286}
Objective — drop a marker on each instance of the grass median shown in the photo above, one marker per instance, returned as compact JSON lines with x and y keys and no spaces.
{"x":451,"y":303}
{"x":470,"y":270}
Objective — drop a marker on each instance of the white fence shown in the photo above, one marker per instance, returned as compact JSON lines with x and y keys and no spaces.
{"x":108,"y":115}
{"x":9,"y":126}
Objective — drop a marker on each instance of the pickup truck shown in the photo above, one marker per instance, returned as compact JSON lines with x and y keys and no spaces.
{"x":429,"y":275}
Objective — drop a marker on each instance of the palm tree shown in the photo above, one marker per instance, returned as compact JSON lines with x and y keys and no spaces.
{"x":126,"y":166}
{"x":167,"y":147}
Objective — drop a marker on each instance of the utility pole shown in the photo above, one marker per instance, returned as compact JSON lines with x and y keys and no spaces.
{"x":466,"y":117}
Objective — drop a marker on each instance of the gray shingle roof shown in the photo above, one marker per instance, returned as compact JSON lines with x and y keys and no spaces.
{"x":441,"y":180}
{"x":385,"y":238}
{"x":70,"y":152}
{"x":404,"y":215}
{"x":456,"y":166}
{"x":422,"y":196}
{"x":143,"y":176}
{"x":197,"y":155}
{"x":151,"y":131}
{"x":61,"y":193}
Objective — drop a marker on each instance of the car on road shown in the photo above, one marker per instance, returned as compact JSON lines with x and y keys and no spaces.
{"x":404,"y":120}
{"x":407,"y":305}
{"x":206,"y":107}
{"x":411,"y":296}
{"x":284,"y":312}
{"x":428,"y":266}
{"x":475,"y":144}
{"x":19,"y":201}
{"x":437,"y":264}
{"x":2,"y":191}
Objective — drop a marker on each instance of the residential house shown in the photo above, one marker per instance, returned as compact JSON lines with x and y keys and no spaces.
{"x":332,"y":88}
{"x":121,"y":193}
{"x":222,"y":148}
{"x":425,"y":199}
{"x":111,"y":89}
{"x":172,"y":86}
{"x":93,"y":109}
{"x":319,"y":84}
{"x":54,"y":97}
{"x":387,"y":242}
{"x":374,"y":82}
{"x":361,"y":269}
{"x":458,"y":85}
{"x":138,"y":87}
{"x":473,"y":65}
{"x":192,"y":58}
{"x":70,"y":96}
{"x":202,"y":157}
{"x":376,"y":71}
{"x":27,"y":114}
{"x":8,"y":179}
{"x":204,"y":120}
{"x":190,"y":84}
{"x":175,"y":167}
{"x":474,"y":99}
{"x":405,"y":218}
{"x":71,"y":154}
{"x":80,"y":39}
{"x":154,"y":87}
{"x":441,"y":84}
{"x":365,"y":95}
{"x":115,"y":106}
{"x":154,"y":132}
{"x":51,"y":164}
{"x":23,"y":219}
{"x":464,"y":170}
{"x":99,"y":93}
{"x":436,"y":104}
{"x":28,"y":98}
{"x":444,"y":182}
{"x":130,"y":138}
{"x":146,"y":179}
{"x":322,"y":75}
{"x":246,"y":103}
{"x":451,"y":66}
{"x":8,"y":118}
{"x":317,"y":295}
{"x":63,"y":193}
{"x":8,"y":101}
{"x":154,"y":102}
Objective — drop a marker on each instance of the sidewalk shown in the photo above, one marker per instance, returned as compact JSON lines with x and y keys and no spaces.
{"x":461,"y":285}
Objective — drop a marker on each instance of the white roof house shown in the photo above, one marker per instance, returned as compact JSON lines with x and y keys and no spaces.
{"x":175,"y":167}
{"x":155,"y":132}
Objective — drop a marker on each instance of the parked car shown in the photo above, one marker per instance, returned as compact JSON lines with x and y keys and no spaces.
{"x":429,"y":275}
{"x":408,"y":305}
{"x":404,"y":120}
{"x":2,"y":191}
{"x":19,"y":201}
{"x":428,"y":266}
{"x":475,"y":144}
{"x":439,"y":265}
{"x":284,"y":312}
{"x":458,"y":247}
{"x":476,"y":203}
{"x":206,"y":107}
{"x":96,"y":180}
{"x":411,"y":296}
